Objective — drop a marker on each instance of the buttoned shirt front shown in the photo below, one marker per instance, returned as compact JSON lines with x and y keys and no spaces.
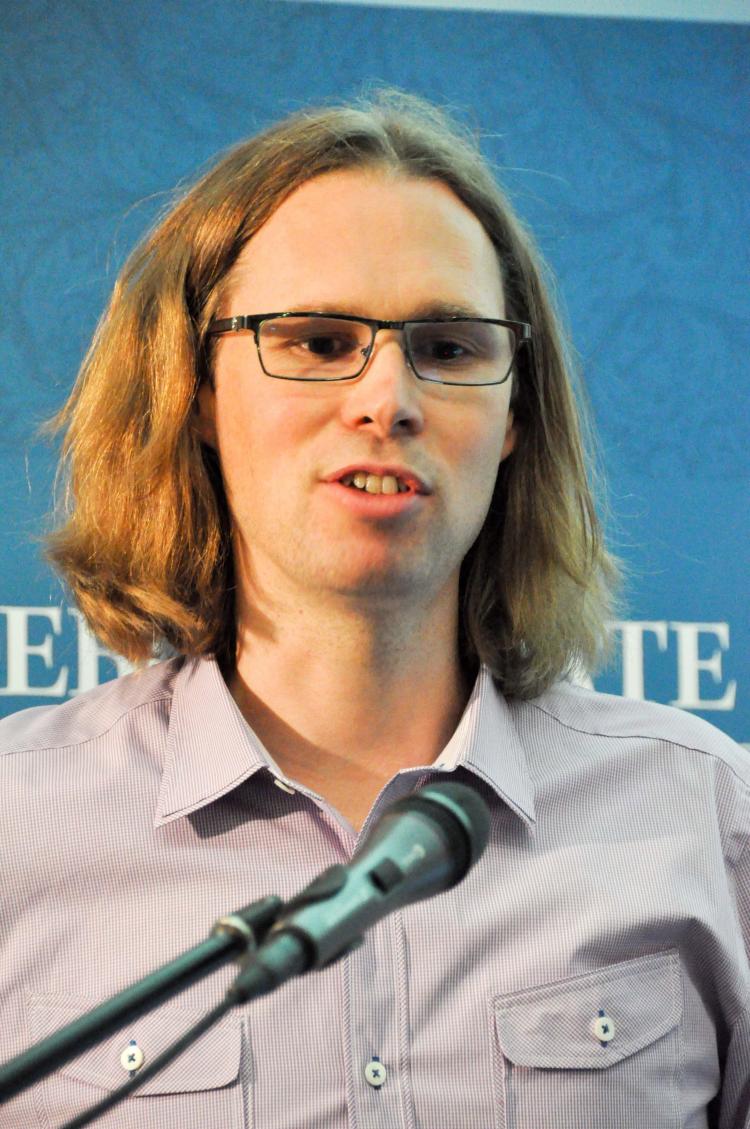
{"x":591,"y":970}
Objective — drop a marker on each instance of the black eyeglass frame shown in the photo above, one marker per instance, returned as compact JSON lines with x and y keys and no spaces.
{"x":522,"y":333}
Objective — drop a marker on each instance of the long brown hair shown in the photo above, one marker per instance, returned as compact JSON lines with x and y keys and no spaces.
{"x":145,"y":545}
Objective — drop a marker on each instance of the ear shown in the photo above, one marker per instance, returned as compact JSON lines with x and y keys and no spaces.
{"x":511,"y":433}
{"x":204,"y":414}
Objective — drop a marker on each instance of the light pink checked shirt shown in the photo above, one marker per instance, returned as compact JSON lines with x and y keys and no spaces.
{"x":589,"y":973}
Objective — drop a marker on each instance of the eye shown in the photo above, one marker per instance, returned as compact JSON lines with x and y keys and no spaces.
{"x":328,"y":345}
{"x":444,"y":345}
{"x":326,"y":340}
{"x":447,"y":349}
{"x":470,"y":350}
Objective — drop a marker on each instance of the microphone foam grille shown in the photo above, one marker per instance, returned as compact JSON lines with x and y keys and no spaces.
{"x":467,"y":807}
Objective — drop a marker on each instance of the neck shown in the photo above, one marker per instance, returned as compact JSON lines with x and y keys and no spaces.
{"x":343,"y":697}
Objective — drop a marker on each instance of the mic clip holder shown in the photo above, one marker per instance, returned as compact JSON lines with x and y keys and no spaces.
{"x":327,"y":884}
{"x":246,"y":935}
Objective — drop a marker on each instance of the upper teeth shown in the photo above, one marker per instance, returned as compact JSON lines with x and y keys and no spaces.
{"x":375,"y":483}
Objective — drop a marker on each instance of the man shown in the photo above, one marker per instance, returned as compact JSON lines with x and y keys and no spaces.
{"x":324,"y":447}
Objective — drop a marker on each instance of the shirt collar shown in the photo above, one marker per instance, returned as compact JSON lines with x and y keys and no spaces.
{"x":487,"y":743}
{"x":211,"y":749}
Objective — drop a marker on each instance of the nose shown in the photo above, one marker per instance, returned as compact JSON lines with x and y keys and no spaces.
{"x":386,"y":398}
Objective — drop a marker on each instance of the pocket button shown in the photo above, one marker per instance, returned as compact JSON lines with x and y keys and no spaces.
{"x":132,"y":1057}
{"x":603,"y":1028}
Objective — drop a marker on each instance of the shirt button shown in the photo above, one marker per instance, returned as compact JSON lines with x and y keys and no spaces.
{"x":603,"y":1028}
{"x":132,"y":1057}
{"x":283,"y":786}
{"x":375,"y":1073}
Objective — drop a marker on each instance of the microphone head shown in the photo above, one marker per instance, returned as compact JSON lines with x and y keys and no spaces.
{"x":457,"y":813}
{"x":466,"y":807}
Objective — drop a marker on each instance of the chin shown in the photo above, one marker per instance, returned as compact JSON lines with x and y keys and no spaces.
{"x":389,"y":582}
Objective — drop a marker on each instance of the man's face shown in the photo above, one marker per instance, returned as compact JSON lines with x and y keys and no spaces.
{"x":380,"y":246}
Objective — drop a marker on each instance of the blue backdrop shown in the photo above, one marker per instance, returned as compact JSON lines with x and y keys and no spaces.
{"x":622,"y":144}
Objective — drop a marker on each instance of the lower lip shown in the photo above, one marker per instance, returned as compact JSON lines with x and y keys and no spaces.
{"x":375,"y":505}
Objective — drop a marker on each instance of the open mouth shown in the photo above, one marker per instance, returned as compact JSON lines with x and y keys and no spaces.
{"x":375,"y":483}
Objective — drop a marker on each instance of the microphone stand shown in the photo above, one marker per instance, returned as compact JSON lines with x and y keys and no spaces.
{"x":237,"y":934}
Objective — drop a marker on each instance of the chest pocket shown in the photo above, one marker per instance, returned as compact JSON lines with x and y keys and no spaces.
{"x":602,"y":1049}
{"x":200,"y":1087}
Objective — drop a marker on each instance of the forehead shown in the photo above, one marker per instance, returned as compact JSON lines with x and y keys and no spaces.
{"x":371,"y":242}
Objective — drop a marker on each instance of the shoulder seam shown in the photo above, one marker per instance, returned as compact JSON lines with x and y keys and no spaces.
{"x":92,"y":737}
{"x":644,"y":736}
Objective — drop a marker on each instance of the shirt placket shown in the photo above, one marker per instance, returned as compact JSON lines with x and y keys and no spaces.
{"x":376,"y":1030}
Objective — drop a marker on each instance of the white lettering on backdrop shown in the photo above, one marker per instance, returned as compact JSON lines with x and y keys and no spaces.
{"x":26,"y":678}
{"x":689,"y":664}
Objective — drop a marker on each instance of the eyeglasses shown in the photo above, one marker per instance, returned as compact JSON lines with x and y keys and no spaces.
{"x":317,"y":346}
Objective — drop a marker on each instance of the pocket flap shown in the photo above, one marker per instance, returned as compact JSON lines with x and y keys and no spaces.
{"x":591,"y":1021}
{"x":212,"y":1061}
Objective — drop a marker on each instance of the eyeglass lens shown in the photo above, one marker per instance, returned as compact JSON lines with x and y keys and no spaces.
{"x":330,"y":348}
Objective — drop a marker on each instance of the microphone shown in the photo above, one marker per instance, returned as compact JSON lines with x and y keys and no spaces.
{"x":423,"y":844}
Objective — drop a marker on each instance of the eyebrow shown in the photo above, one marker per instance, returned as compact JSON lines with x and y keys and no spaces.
{"x":427,"y":311}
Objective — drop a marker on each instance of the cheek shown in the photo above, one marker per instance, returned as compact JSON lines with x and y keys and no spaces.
{"x":481,"y":461}
{"x":483,"y":452}
{"x":263,"y":438}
